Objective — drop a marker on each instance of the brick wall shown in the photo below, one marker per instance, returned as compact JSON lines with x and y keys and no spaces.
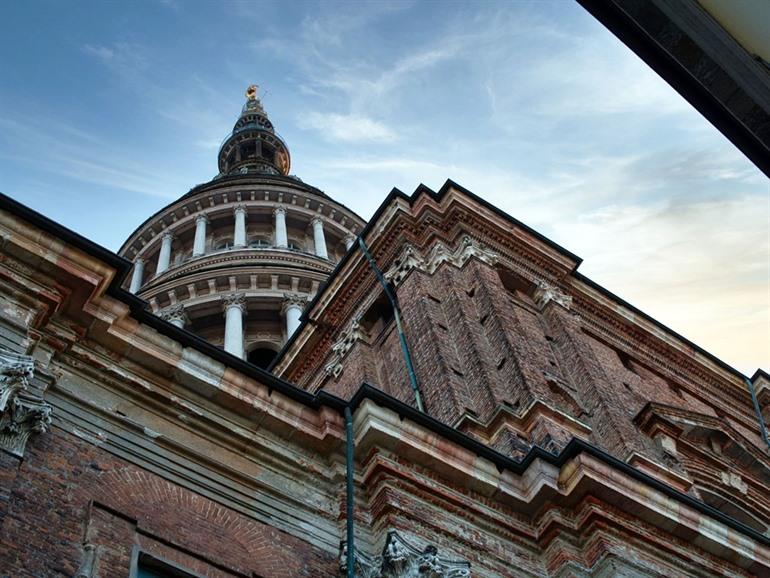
{"x":66,"y":493}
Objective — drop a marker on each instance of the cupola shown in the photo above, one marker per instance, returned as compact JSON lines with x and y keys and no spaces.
{"x":253,"y":146}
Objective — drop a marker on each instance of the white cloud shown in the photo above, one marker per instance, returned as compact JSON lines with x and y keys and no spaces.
{"x":346,"y":127}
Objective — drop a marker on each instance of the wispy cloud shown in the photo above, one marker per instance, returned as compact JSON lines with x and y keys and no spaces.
{"x":78,"y":155}
{"x":346,"y":127}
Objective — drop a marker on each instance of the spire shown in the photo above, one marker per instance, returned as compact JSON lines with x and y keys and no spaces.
{"x":254,"y":146}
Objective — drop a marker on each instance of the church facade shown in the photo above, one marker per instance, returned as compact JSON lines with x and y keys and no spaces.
{"x":263,"y":385}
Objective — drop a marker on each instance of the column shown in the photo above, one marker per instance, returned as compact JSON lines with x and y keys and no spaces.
{"x":137,"y":275}
{"x":239,"y":234}
{"x":281,"y":239}
{"x":349,"y":240}
{"x":293,"y":305}
{"x":199,"y":245}
{"x":235,"y":307}
{"x":176,"y":315}
{"x":318,"y":237}
{"x":164,"y":259}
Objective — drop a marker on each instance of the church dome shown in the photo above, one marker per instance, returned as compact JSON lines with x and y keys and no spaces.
{"x":235,"y":259}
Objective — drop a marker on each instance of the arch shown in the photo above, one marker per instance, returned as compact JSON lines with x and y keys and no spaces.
{"x":261,"y":353}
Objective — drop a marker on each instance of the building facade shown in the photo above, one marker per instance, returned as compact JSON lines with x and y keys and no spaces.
{"x":455,"y":399}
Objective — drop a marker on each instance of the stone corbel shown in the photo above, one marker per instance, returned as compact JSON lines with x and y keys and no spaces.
{"x":545,"y":293}
{"x":341,"y":348}
{"x":401,"y":559}
{"x":21,"y":412}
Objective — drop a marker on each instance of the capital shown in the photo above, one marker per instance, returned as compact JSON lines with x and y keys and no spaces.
{"x":139,"y":261}
{"x":202,"y":217}
{"x":239,"y":209}
{"x":279,"y":211}
{"x":293,"y":300}
{"x":237,"y":300}
{"x":168,"y":235}
{"x":317,"y":221}
{"x":175,"y":313}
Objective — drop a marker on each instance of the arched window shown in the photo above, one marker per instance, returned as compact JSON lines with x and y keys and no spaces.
{"x":261,"y":356}
{"x":222,"y":244}
{"x":259,"y":243}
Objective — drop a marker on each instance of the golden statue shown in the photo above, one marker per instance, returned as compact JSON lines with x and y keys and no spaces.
{"x":251,"y":92}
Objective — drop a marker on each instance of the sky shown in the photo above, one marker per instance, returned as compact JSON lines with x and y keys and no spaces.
{"x":111,"y":110}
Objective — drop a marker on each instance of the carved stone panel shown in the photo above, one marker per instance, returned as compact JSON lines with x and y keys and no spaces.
{"x":401,"y":559}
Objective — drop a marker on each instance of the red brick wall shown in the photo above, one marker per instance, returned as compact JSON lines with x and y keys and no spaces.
{"x":67,"y":491}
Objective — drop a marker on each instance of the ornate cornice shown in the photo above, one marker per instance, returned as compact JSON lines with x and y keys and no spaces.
{"x":439,"y":254}
{"x":21,"y":412}
{"x":401,"y":559}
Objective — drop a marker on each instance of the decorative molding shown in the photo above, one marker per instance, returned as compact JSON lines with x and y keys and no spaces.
{"x":234,"y":300}
{"x":411,"y":259}
{"x":341,"y":348}
{"x":545,"y":293}
{"x":401,"y":559}
{"x":21,"y":413}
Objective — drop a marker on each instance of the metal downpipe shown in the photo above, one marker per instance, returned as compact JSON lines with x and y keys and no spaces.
{"x":399,"y":327}
{"x":349,"y":498}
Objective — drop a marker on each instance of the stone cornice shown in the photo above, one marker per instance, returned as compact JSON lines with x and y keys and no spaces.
{"x":293,"y":261}
{"x":227,"y":195}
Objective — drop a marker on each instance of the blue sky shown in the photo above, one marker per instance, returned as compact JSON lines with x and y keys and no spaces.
{"x":109,"y":111}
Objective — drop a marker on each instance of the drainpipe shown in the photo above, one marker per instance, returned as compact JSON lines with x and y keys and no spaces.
{"x":760,"y":417}
{"x":349,"y":491}
{"x":399,"y":327}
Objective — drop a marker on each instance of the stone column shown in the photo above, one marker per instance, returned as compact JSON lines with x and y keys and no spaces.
{"x":293,"y":305}
{"x":199,"y":245}
{"x":349,"y":240}
{"x":281,"y":238}
{"x":164,"y":259}
{"x":137,"y":275}
{"x":239,"y":234}
{"x":235,"y":307}
{"x":318,"y":237}
{"x":176,"y":315}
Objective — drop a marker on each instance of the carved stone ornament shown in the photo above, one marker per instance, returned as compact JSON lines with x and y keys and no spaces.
{"x":175,"y":313}
{"x":410,"y":258}
{"x":21,"y":412}
{"x":234,"y":300}
{"x":341,"y":348}
{"x":401,"y":559}
{"x":545,"y":293}
{"x":293,"y":300}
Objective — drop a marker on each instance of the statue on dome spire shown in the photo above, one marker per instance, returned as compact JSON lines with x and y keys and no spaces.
{"x":251,"y":91}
